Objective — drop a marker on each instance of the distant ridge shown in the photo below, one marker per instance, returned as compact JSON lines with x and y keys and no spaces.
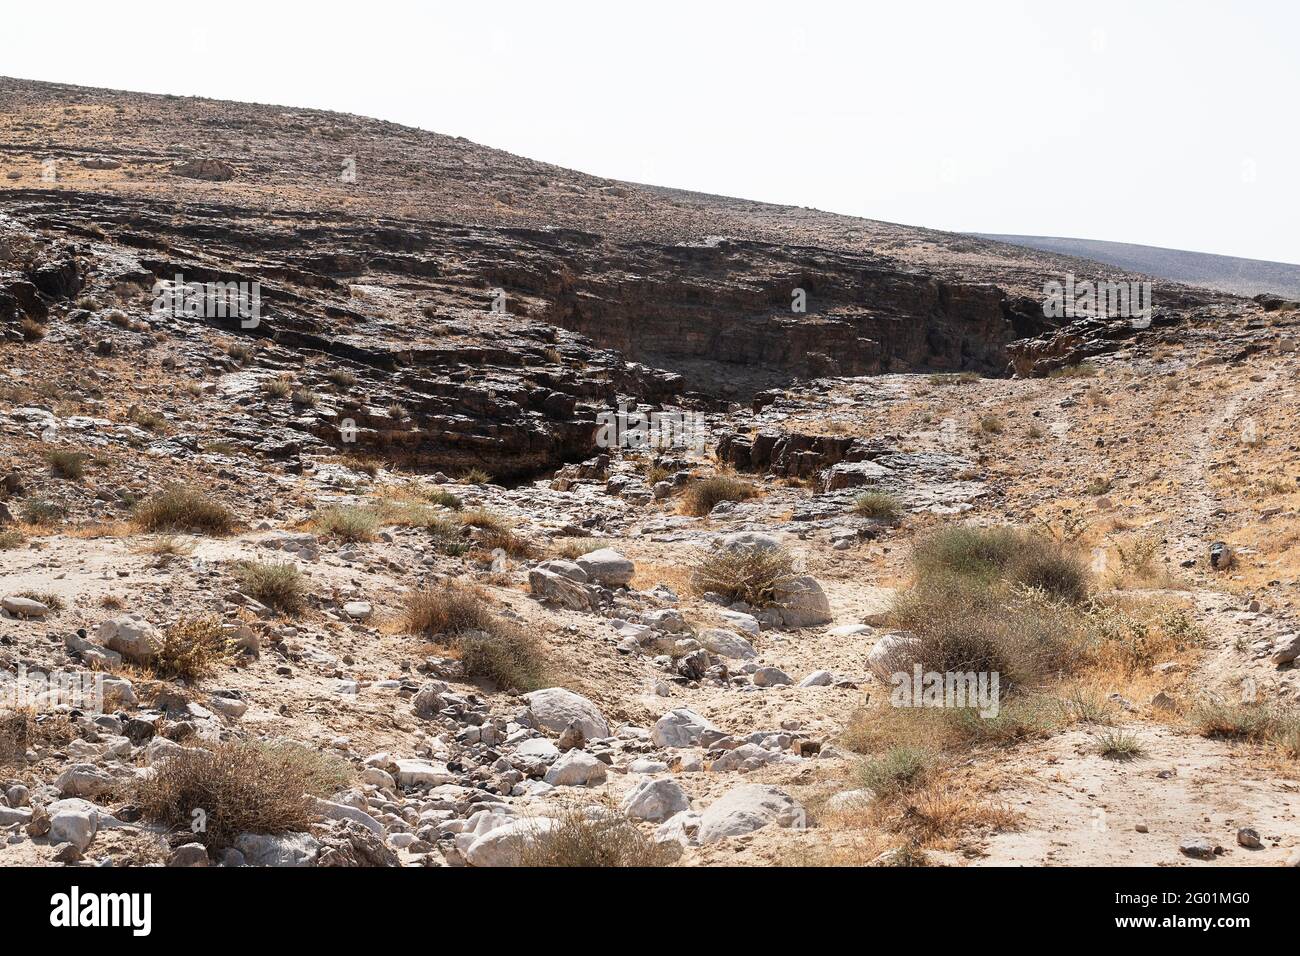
{"x":1224,"y":273}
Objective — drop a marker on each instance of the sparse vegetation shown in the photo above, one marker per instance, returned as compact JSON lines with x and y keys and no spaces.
{"x":490,"y":647}
{"x":242,"y":786}
{"x":991,"y":425}
{"x":31,"y":330}
{"x":278,"y":387}
{"x":585,"y":836}
{"x":241,"y":352}
{"x":954,"y":378}
{"x":576,"y":547}
{"x":704,"y":494}
{"x":10,"y":538}
{"x":879,"y":505}
{"x":182,"y":508}
{"x":347,"y":523}
{"x":474,"y":476}
{"x":1098,"y":486}
{"x":42,"y":512}
{"x":743,"y":574}
{"x":192,"y":648}
{"x":899,"y":769}
{"x":48,"y":598}
{"x":165,"y":545}
{"x":1120,"y":745}
{"x":278,"y":586}
{"x":66,"y":463}
{"x":146,"y":419}
{"x":986,"y":555}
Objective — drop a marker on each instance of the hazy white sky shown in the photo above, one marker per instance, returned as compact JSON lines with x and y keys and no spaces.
{"x":1165,"y":123}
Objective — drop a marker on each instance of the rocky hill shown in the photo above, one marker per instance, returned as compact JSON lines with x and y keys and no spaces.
{"x":314,"y":554}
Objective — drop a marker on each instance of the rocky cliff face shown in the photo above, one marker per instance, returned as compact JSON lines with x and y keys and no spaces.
{"x":481,"y":308}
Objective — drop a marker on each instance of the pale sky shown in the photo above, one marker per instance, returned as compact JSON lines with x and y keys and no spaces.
{"x":1163,"y":123}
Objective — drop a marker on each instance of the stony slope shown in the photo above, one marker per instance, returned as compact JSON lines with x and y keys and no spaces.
{"x":694,"y":719}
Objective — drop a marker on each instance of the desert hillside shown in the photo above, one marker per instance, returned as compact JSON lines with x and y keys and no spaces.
{"x":1249,"y":277}
{"x":352,"y":577}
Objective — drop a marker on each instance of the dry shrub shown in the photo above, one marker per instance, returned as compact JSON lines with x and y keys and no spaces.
{"x":145,"y":418}
{"x":1128,"y":639}
{"x":482,"y":518}
{"x":447,"y":610}
{"x":1002,"y":553}
{"x":967,"y":624}
{"x":42,"y":512}
{"x":575,"y":547}
{"x":25,"y":729}
{"x":181,"y":508}
{"x":278,"y":586}
{"x":879,"y":505}
{"x":244,"y":786}
{"x":513,"y":544}
{"x":1119,"y":745}
{"x":279,"y":387}
{"x":750,"y":575}
{"x":10,"y":538}
{"x":704,"y":494}
{"x":48,"y":598}
{"x":192,"y":648}
{"x":1257,"y":723}
{"x":897,"y":770}
{"x":346,"y":523}
{"x":490,"y":647}
{"x":66,"y":463}
{"x":939,"y":813}
{"x":475,"y":476}
{"x":167,"y":545}
{"x":31,"y":330}
{"x":594,"y":837}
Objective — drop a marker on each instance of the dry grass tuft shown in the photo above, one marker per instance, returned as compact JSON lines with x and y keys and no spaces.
{"x":278,"y":586}
{"x":594,"y":837}
{"x":878,"y":504}
{"x":66,"y":463}
{"x":349,"y":523}
{"x":704,"y":494}
{"x":181,"y":508}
